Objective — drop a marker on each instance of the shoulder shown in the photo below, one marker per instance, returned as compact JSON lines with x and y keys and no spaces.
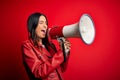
{"x":26,"y":44}
{"x":26,"y":41}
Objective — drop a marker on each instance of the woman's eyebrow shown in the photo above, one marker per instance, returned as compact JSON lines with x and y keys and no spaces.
{"x":42,"y":21}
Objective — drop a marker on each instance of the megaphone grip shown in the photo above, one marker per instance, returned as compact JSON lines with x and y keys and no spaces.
{"x":56,"y":32}
{"x":63,"y":49}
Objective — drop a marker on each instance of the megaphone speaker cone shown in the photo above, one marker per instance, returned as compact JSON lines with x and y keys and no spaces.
{"x":86,"y":28}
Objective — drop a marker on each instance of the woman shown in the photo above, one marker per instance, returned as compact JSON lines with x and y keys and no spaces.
{"x":41,"y":59}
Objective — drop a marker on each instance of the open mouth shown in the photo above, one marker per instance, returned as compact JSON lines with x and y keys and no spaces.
{"x":44,"y":31}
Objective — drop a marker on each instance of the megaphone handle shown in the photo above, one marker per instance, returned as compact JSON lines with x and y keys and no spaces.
{"x":63,"y":48}
{"x":64,"y":53}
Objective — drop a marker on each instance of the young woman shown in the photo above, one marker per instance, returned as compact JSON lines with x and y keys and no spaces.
{"x":41,"y":59}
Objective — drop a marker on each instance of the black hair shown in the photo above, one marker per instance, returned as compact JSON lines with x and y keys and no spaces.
{"x":32,"y":23}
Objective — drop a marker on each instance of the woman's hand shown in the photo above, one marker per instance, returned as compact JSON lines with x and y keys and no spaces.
{"x":66,"y":43}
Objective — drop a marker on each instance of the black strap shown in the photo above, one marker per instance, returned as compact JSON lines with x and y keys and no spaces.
{"x":58,"y":74}
{"x":63,"y":49}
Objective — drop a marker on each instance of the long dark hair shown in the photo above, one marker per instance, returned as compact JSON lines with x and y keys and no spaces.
{"x":32,"y":23}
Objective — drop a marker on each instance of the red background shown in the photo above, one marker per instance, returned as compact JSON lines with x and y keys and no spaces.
{"x":99,"y":61}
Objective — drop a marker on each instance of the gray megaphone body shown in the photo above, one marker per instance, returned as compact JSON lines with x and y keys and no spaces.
{"x":83,"y":29}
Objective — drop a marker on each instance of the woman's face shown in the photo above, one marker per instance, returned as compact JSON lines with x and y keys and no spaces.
{"x":41,"y":28}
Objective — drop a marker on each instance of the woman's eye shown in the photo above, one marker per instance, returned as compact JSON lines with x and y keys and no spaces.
{"x":41,"y":22}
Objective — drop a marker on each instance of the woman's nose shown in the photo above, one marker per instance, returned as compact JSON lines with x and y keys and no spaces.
{"x":45,"y":25}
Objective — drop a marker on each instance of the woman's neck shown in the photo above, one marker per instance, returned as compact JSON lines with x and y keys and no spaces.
{"x":39,"y":41}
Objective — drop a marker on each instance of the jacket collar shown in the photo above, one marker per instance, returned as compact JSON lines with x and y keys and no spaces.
{"x":38,"y":45}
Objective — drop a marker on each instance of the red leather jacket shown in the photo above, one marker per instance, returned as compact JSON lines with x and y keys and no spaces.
{"x":41,"y":64}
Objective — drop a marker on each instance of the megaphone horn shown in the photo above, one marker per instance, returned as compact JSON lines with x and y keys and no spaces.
{"x":83,"y":29}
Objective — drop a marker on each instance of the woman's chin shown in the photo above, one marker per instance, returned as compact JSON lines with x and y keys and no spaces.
{"x":42,"y":36}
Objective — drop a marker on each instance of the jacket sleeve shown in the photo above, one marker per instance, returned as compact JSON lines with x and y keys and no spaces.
{"x":65,"y":64}
{"x":40,"y":68}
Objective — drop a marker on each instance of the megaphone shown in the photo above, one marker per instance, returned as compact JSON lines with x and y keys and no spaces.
{"x":83,"y":29}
